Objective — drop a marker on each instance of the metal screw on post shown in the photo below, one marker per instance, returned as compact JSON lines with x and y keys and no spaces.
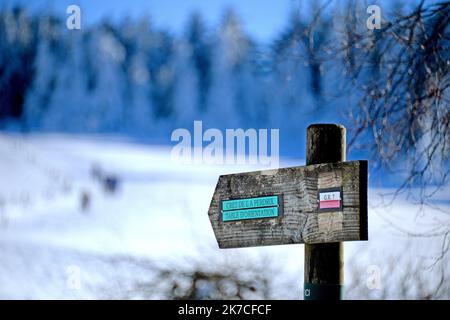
{"x":324,"y":262}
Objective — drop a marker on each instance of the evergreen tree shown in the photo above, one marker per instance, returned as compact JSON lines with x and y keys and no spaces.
{"x":186,"y":99}
{"x":291,"y":74}
{"x":200,"y":50}
{"x":229,"y":101}
{"x":106,"y":100}
{"x":45,"y":67}
{"x":17,"y":53}
{"x":136,"y":38}
{"x":160,"y":65}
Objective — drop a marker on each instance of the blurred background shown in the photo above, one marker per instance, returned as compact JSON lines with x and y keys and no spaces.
{"x":93,"y":206}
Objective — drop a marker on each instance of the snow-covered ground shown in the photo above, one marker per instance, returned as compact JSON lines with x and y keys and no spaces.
{"x":159,"y":213}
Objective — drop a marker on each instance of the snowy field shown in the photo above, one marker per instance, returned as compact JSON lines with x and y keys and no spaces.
{"x":159,"y":215}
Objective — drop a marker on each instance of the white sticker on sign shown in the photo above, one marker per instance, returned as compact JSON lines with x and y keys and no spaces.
{"x":334,"y":195}
{"x":330,"y":199}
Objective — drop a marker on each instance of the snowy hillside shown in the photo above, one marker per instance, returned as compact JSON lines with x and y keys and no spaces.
{"x":156,"y":214}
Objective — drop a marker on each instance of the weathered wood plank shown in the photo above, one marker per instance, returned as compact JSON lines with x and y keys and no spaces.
{"x":300,"y":221}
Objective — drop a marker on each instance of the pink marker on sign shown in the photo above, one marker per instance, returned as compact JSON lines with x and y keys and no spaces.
{"x":330,"y":199}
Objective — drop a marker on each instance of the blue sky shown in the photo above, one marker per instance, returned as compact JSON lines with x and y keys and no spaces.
{"x":262,"y":19}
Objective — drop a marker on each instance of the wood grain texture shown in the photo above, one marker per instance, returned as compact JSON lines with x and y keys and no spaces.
{"x":301,"y":222}
{"x":324,"y":262}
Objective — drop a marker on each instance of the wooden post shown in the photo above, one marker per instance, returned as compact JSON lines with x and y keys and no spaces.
{"x":324,"y":262}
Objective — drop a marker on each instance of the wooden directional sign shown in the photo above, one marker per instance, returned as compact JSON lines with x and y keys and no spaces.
{"x":309,"y":204}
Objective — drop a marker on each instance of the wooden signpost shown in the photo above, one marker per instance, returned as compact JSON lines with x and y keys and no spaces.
{"x":320,"y":205}
{"x":310,"y":204}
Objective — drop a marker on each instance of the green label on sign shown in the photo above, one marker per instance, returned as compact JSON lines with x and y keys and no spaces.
{"x":250,"y":214}
{"x":250,"y":208}
{"x":259,"y":202}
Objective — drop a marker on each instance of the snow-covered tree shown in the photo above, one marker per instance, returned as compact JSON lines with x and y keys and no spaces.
{"x":66,"y":103}
{"x":200,"y":50}
{"x":45,"y":66}
{"x":186,"y":92}
{"x":106,"y":99}
{"x":229,"y":101}
{"x":17,"y":53}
